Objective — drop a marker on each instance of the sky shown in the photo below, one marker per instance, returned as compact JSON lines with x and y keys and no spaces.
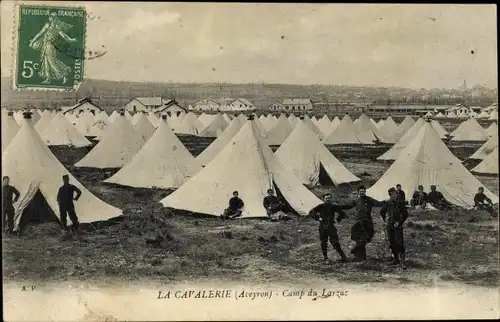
{"x":401,"y":45}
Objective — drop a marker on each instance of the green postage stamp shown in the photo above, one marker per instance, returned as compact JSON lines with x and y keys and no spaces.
{"x":50,"y":51}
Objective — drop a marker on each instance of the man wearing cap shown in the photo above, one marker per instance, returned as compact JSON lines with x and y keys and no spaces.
{"x":394,"y":217}
{"x":325,"y":214}
{"x":235,"y":205}
{"x":65,"y":197}
{"x":274,"y":206}
{"x":362,"y":232}
{"x":9,"y":196}
{"x":419,"y":198}
{"x":401,"y":194}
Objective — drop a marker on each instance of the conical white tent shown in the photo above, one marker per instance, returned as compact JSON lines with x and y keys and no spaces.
{"x":18,"y":116}
{"x":366,"y":132}
{"x":205,"y":119}
{"x":489,"y":165}
{"x":344,"y":133}
{"x":309,"y":122}
{"x":394,"y":152}
{"x":144,"y":128}
{"x":371,"y":120}
{"x":61,"y":132}
{"x":242,"y":118}
{"x":175,"y":122}
{"x":492,"y":130}
{"x":32,"y":167}
{"x":226,"y":118}
{"x":44,"y":121}
{"x":459,"y":128}
{"x":292,"y":119}
{"x":129,"y":117}
{"x":335,"y":123}
{"x":303,"y":154}
{"x":84,"y":123}
{"x":483,"y":115}
{"x":249,"y":166}
{"x":9,"y":129}
{"x":260,"y":126}
{"x":390,"y":131}
{"x":189,"y":125}
{"x":153,"y":119}
{"x":324,"y":125}
{"x":215,"y":128}
{"x":222,"y":140}
{"x":163,"y":162}
{"x":471,"y":132}
{"x":439,"y":129}
{"x":485,"y":149}
{"x":278,"y":134}
{"x":440,"y":116}
{"x":493,"y":115}
{"x":99,"y":127}
{"x":380,"y":123}
{"x":113,"y":116}
{"x":427,"y":161}
{"x":406,"y":125}
{"x":118,"y":145}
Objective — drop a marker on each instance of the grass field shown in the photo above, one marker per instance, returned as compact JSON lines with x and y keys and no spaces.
{"x":458,"y":245}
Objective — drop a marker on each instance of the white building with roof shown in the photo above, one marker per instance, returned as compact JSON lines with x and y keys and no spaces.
{"x":222,"y":104}
{"x":293,"y":104}
{"x":84,"y":104}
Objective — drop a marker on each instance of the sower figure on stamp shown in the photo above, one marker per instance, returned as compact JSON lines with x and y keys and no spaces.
{"x":325,"y":214}
{"x":396,"y":214}
{"x":51,"y":68}
{"x":9,"y":196}
{"x":235,"y":205}
{"x":65,"y":200}
{"x":362,"y":232}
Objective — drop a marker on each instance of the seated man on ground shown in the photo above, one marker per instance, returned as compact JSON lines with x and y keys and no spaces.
{"x":481,"y":202}
{"x":235,"y":205}
{"x":274,"y":207}
{"x":419,"y":198}
{"x":437,"y":199}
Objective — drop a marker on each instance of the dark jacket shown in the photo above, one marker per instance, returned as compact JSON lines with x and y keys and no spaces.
{"x":393,"y":212}
{"x":481,"y":198}
{"x":270,"y":201}
{"x":235,"y":203}
{"x":401,"y":196}
{"x":9,"y":195}
{"x":65,"y":194}
{"x":434,"y":197}
{"x":326,"y":212}
{"x":420,"y":198}
{"x":363,"y":206}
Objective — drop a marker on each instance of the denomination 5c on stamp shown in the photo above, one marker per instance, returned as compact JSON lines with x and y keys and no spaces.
{"x":50,"y":47}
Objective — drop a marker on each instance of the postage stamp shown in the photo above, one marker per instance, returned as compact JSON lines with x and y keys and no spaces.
{"x":50,"y":47}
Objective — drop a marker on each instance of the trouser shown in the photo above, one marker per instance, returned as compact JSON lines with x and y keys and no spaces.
{"x":8,"y":219}
{"x":396,"y":240}
{"x":330,"y":233}
{"x":415,"y":202}
{"x":483,"y":206}
{"x":362,"y":233}
{"x":64,"y":211}
{"x":230,"y":213}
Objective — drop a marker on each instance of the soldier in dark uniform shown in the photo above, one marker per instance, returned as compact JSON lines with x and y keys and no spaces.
{"x":325,"y":214}
{"x":235,"y":205}
{"x":437,"y":200}
{"x":273,"y":205}
{"x":396,"y":216}
{"x":401,"y":194}
{"x":9,"y":196}
{"x":362,"y":232}
{"x":65,"y":197}
{"x":482,"y":202}
{"x":419,"y":198}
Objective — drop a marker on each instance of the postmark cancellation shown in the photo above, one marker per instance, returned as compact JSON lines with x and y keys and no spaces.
{"x":49,"y":51}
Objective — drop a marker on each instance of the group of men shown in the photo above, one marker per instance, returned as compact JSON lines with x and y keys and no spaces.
{"x":394,"y":213}
{"x":65,"y":198}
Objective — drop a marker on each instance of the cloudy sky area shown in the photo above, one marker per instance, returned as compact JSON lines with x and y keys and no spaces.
{"x":416,"y":46}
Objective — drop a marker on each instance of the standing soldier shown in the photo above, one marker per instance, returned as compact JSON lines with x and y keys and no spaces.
{"x":325,"y":214}
{"x":65,"y":200}
{"x":396,"y":216}
{"x":10,"y":195}
{"x":401,"y":194}
{"x":362,"y":232}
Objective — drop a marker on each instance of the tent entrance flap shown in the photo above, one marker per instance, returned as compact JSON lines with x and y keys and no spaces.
{"x":323,"y":177}
{"x":34,"y":210}
{"x":282,"y":198}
